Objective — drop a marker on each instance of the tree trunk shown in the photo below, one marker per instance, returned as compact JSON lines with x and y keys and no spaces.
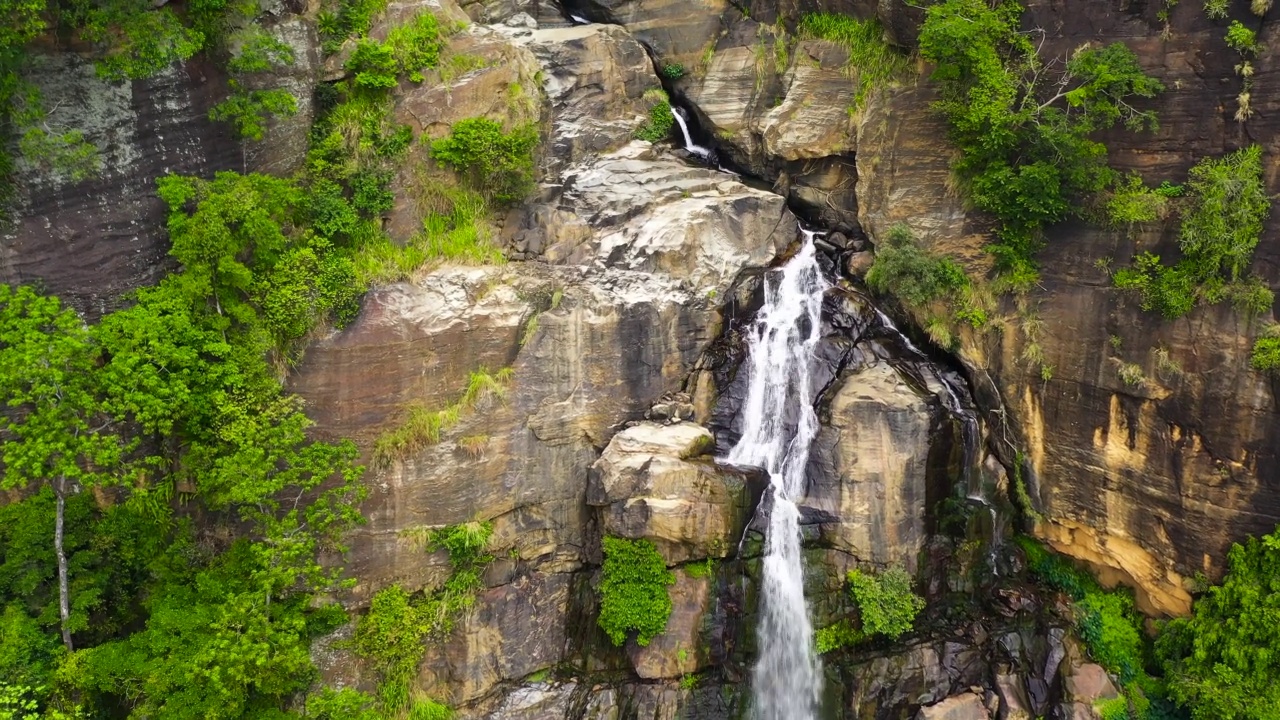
{"x":64,"y":599}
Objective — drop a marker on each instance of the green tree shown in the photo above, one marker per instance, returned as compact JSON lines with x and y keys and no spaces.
{"x":1023,"y":124}
{"x":493,"y":161}
{"x":886,"y":603}
{"x":1222,"y":661}
{"x":55,"y":431}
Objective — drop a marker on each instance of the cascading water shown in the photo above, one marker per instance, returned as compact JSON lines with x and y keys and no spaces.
{"x":778,"y":426}
{"x":689,"y":145}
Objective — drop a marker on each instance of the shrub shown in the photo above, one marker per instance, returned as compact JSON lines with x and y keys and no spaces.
{"x":1242,"y":39}
{"x":1215,"y":9}
{"x":1024,"y":126}
{"x":249,"y":110}
{"x":875,"y":62}
{"x":354,"y":17}
{"x":837,"y":635}
{"x":661,"y":120}
{"x":260,"y":52}
{"x":1266,"y":350}
{"x":886,"y":604}
{"x":496,"y":163}
{"x":373,"y":65}
{"x":633,"y":591}
{"x":905,"y":270}
{"x":1227,"y":208}
{"x":1222,"y":661}
{"x":416,"y":45}
{"x":1132,"y":203}
{"x":673,"y":71}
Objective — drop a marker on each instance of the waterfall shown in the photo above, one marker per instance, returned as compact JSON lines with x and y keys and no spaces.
{"x":689,"y":145}
{"x":778,"y":425}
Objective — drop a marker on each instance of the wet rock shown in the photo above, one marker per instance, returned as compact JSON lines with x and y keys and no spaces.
{"x":1013,"y":698}
{"x":873,"y":465}
{"x":858,"y":263}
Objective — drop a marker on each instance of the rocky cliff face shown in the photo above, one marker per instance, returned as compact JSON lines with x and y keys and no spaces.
{"x":636,"y":273}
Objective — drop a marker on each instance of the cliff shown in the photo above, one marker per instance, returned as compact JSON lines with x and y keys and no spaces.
{"x":612,"y":343}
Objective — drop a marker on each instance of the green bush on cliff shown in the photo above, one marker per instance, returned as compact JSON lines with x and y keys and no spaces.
{"x":912,"y":274}
{"x":492,"y":161}
{"x":1223,"y":661}
{"x":661,"y":120}
{"x":633,"y":591}
{"x":1023,"y":125}
{"x":1225,"y":210}
{"x":874,"y":62}
{"x":1106,"y":619}
{"x":392,"y":634}
{"x":886,"y":604}
{"x":1266,"y":350}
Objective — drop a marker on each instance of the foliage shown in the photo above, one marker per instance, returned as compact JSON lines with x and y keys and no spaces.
{"x":353,"y":18}
{"x":1242,"y":39}
{"x":66,"y":153}
{"x":886,"y":604}
{"x":416,"y":45}
{"x":661,"y":120}
{"x":259,"y":52}
{"x":1266,"y":350}
{"x":249,"y":110}
{"x":344,"y":704}
{"x":1133,"y":203}
{"x":1222,"y":661}
{"x":391,"y":634}
{"x":428,"y":709}
{"x":1226,"y":208}
{"x":1114,"y":709}
{"x":837,"y":635}
{"x":911,"y":273}
{"x":874,"y":61}
{"x":1106,"y":620}
{"x":423,"y":427}
{"x":494,"y":162}
{"x":1022,"y":124}
{"x":633,"y":590}
{"x":673,"y":71}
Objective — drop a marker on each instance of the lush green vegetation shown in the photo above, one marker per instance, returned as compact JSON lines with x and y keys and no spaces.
{"x":1266,"y":350}
{"x":912,"y":274}
{"x":886,"y":607}
{"x":120,"y":432}
{"x":351,"y":18}
{"x":1111,"y":630}
{"x":492,"y":161}
{"x":873,"y":62}
{"x":409,"y":50}
{"x":633,"y":591}
{"x":661,"y":119}
{"x":1223,"y":215}
{"x":422,"y":426}
{"x":1023,"y":125}
{"x":1222,"y":661}
{"x":248,"y":110}
{"x":392,"y":634}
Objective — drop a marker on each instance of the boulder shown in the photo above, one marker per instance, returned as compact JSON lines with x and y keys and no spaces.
{"x":873,"y":459}
{"x":1088,"y":683}
{"x":651,"y":483}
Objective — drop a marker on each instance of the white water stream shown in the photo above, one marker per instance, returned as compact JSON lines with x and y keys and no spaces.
{"x":778,"y":426}
{"x":689,"y":145}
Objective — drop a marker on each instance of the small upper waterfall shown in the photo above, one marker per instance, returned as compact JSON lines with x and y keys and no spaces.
{"x":778,"y":426}
{"x":689,"y":145}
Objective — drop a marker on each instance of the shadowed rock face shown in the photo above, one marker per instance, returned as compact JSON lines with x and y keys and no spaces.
{"x":91,"y":242}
